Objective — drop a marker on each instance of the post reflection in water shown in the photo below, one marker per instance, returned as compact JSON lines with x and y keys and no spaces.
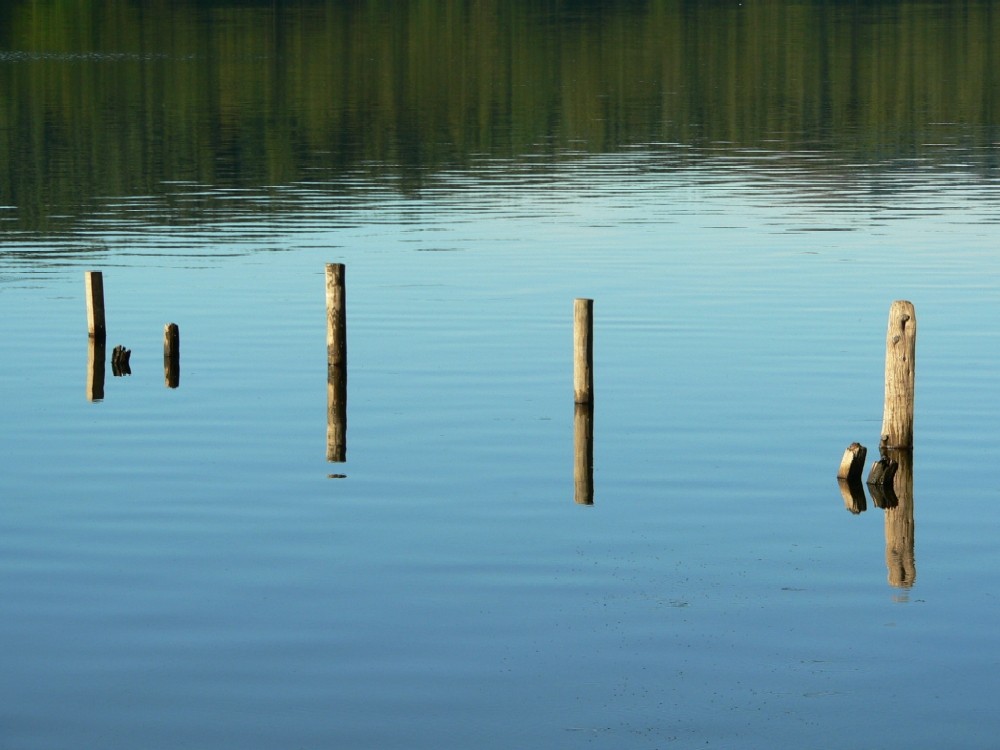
{"x":583,"y":453}
{"x":96,"y":352}
{"x":854,"y":495}
{"x":171,"y":355}
{"x":895,"y":499}
{"x":336,"y":417}
{"x":899,"y":523}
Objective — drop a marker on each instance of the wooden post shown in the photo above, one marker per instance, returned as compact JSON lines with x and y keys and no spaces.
{"x":94,"y":288}
{"x":336,"y":364}
{"x":96,"y":353}
{"x":583,"y":454}
{"x":336,"y":317}
{"x":900,"y":371}
{"x":583,"y":351}
{"x":171,"y":355}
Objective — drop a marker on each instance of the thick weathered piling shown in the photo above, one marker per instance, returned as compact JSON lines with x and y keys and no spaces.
{"x":171,"y":355}
{"x":900,"y":372}
{"x":583,"y":454}
{"x":583,"y":351}
{"x":336,"y":364}
{"x":94,"y":291}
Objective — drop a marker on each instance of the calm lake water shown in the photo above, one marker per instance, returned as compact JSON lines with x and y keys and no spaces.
{"x":743,"y":189}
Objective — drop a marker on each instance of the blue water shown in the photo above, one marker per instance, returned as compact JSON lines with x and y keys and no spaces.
{"x":180,"y":569}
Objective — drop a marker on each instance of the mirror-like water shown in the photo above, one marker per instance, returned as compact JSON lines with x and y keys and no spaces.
{"x":742,"y":189}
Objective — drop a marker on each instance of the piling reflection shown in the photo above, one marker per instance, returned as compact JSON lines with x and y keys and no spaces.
{"x":899,"y":524}
{"x":120,"y":361}
{"x":96,"y":352}
{"x":890,"y":486}
{"x":583,"y":453}
{"x":853,"y":492}
{"x":336,"y":417}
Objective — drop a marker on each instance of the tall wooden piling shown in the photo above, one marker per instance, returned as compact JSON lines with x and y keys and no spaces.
{"x":336,"y":364}
{"x":583,"y":350}
{"x":336,"y":317}
{"x":583,"y":454}
{"x":94,"y":291}
{"x":171,"y":355}
{"x":900,"y":372}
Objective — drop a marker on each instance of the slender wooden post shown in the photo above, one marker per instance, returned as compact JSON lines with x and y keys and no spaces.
{"x":94,"y":286}
{"x":171,"y":355}
{"x":336,"y":318}
{"x":336,"y":364}
{"x":900,"y":371}
{"x":583,"y":454}
{"x":583,"y":350}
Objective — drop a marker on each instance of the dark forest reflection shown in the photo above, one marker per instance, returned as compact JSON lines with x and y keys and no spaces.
{"x":115,"y":98}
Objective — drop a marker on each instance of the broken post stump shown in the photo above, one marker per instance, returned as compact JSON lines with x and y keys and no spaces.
{"x":853,"y":462}
{"x":119,"y":361}
{"x":849,"y":477}
{"x":883,"y":470}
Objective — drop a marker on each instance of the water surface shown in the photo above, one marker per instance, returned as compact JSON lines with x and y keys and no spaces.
{"x":743,"y":191}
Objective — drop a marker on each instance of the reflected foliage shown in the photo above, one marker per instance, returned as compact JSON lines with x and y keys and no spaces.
{"x":116,"y":97}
